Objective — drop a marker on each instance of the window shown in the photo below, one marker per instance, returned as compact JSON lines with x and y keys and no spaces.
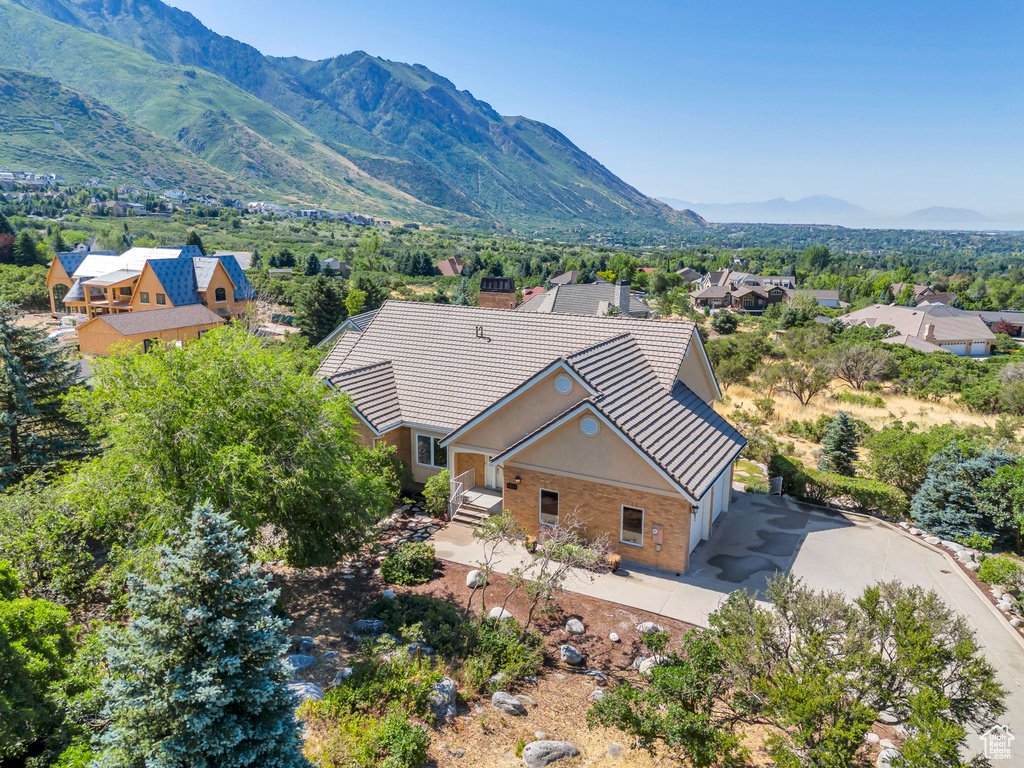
{"x":429,"y":452}
{"x":126,"y":291}
{"x":220,"y":295}
{"x":144,"y":297}
{"x":589,"y":426}
{"x":548,"y":507}
{"x":632,"y":526}
{"x":563,"y":384}
{"x":161,"y":299}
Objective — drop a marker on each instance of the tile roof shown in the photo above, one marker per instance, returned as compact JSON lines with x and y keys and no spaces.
{"x":451,"y":266}
{"x":356,"y":324}
{"x":243,"y":288}
{"x":444,"y":372}
{"x":566,"y":278}
{"x":580,"y":299}
{"x":950,"y":324}
{"x":155,"y":320}
{"x":915,"y":343}
{"x":72,"y":261}
{"x":178,"y":278}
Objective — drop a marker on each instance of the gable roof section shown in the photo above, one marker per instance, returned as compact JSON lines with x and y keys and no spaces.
{"x":72,"y":261}
{"x":373,"y":394}
{"x":580,"y":299}
{"x":243,"y":288}
{"x":155,"y":320}
{"x":204,"y":268}
{"x":949,"y":323}
{"x":178,"y":278}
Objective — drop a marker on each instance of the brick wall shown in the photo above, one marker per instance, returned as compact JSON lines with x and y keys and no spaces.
{"x":467,"y":461}
{"x":600,"y":504}
{"x":497,"y":299}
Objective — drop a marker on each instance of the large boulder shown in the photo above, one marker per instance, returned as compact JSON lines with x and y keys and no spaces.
{"x":497,"y":612}
{"x":650,"y":663}
{"x":575,"y":627}
{"x":442,"y":699}
{"x":538,"y":754}
{"x":297,"y":661}
{"x":371,"y":627}
{"x":475,"y":579}
{"x":305,"y":690}
{"x":886,"y":757}
{"x":508,"y":704}
{"x":570,"y":655}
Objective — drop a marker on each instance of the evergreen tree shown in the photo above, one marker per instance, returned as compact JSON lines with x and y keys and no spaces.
{"x":320,"y":308}
{"x":950,"y":502}
{"x":286,"y":258}
{"x":57,"y":242}
{"x":195,"y":679}
{"x":5,"y":225}
{"x":25,"y":254}
{"x":461,"y":297}
{"x":312,"y":265}
{"x":274,"y":262}
{"x":839,"y":448}
{"x":257,"y":259}
{"x":193,"y":239}
{"x":35,"y":430}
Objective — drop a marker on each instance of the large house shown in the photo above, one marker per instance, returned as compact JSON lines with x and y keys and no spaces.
{"x":600,"y":298}
{"x":928,"y":328}
{"x":744,"y":292}
{"x":102,"y":285}
{"x":546,"y":414}
{"x":924,"y":294}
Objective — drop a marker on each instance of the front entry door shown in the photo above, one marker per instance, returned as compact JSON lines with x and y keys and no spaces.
{"x":494,"y":477}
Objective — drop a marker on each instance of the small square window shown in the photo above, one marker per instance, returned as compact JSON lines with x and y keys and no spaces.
{"x":632,"y":526}
{"x":144,"y":297}
{"x":429,"y":452}
{"x":126,"y":291}
{"x":548,"y":507}
{"x":161,"y":299}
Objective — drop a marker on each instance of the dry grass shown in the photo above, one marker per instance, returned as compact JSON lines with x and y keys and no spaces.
{"x":897,"y":407}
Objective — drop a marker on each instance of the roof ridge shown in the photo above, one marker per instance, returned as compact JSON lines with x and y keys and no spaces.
{"x":366,"y":367}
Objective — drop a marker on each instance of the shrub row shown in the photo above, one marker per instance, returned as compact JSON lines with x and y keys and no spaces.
{"x":819,"y":487}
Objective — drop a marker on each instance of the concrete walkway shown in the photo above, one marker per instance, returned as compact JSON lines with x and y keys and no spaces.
{"x":761,"y":535}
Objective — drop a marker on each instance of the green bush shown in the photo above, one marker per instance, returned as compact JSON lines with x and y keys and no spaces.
{"x":793,"y":479}
{"x":852,"y":398}
{"x":416,"y":618}
{"x":501,"y":647}
{"x":1001,"y":571}
{"x":757,"y":487}
{"x":409,"y":564}
{"x":376,"y":683}
{"x":10,"y":584}
{"x":394,"y":743}
{"x":867,"y":494}
{"x":436,"y":493}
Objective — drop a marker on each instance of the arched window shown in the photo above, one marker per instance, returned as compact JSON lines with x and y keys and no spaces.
{"x":220,"y":295}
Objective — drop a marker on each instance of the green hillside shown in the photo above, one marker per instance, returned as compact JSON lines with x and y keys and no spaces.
{"x":46,"y":125}
{"x":403,"y":125}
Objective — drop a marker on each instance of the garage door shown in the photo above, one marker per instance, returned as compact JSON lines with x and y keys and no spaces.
{"x":956,"y":349}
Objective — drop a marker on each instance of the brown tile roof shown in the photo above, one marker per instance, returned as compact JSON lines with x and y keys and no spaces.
{"x":154,"y":320}
{"x":451,"y":267}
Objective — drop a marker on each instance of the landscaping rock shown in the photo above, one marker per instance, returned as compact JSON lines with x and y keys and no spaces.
{"x":1014,"y":622}
{"x":597,"y":674}
{"x":872,"y":737}
{"x":526,"y":700}
{"x":510,"y":705}
{"x":539,"y":735}
{"x":952,"y":546}
{"x":886,"y":756}
{"x":570,"y":655}
{"x":310,"y":619}
{"x":304,"y":690}
{"x":496,"y":680}
{"x":973,"y":567}
{"x":442,"y":699}
{"x":933,"y":540}
{"x":424,"y":649}
{"x":916,"y":531}
{"x":648,"y":664}
{"x":458,"y":754}
{"x":330,"y":655}
{"x":597,"y":694}
{"x":648,"y":628}
{"x":298,"y":661}
{"x":615,"y":750}
{"x":497,"y":612}
{"x":343,"y":674}
{"x":368,"y":627}
{"x":575,"y":627}
{"x":887,"y":744}
{"x":886,"y":716}
{"x":538,"y":754}
{"x":474,"y":579}
{"x":388,"y":594}
{"x":613,"y":637}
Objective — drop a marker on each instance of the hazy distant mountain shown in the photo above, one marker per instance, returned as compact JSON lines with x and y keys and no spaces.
{"x":937,"y":214}
{"x":354,"y":130}
{"x":816,"y":209}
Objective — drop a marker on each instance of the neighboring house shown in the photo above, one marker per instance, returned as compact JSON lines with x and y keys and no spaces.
{"x":451,"y":267}
{"x":497,"y":293}
{"x":147,"y":279}
{"x":280,"y":273}
{"x":728,"y":277}
{"x":529,"y":293}
{"x":547,"y":415}
{"x":945,"y":297}
{"x":566,"y":278}
{"x":354,"y":324}
{"x":921,"y":292}
{"x":951,"y":330}
{"x":825,"y":298}
{"x":176,"y":325}
{"x":244,"y":258}
{"x":1002,"y":321}
{"x":743,"y":292}
{"x":596,"y":299}
{"x":689,"y":275}
{"x":337,"y":267}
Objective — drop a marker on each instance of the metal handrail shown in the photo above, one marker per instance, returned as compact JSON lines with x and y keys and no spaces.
{"x":457,"y":490}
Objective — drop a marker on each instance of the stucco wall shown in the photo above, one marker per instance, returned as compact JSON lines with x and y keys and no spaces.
{"x":98,"y":338}
{"x":600,"y":505}
{"x":695,"y":374}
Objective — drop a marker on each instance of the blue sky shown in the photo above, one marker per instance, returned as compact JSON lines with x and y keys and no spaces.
{"x":893,"y":106}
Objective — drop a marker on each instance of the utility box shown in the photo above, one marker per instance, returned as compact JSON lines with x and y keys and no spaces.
{"x":658,"y":533}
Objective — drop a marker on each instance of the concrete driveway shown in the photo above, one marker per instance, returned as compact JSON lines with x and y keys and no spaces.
{"x":762,"y":535}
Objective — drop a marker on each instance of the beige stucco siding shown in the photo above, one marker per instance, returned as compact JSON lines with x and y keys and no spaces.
{"x":530,"y":409}
{"x":695,"y":374}
{"x":605,"y":457}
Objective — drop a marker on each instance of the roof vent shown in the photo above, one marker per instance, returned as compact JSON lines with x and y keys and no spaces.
{"x":589,"y":426}
{"x":563,"y":384}
{"x":479,"y":331}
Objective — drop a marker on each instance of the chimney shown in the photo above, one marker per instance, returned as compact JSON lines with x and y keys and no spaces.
{"x":620,"y":298}
{"x":929,"y":333}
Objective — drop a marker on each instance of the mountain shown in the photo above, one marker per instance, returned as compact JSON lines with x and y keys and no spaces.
{"x":936,"y":214}
{"x":46,"y":125}
{"x":398,"y":134}
{"x":816,"y":209}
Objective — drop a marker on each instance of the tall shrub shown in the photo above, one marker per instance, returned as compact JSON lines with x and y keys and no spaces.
{"x":839,"y":449}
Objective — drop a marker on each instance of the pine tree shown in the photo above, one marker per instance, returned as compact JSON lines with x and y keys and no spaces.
{"x":5,"y":225}
{"x":286,"y":258}
{"x":839,"y":448}
{"x":35,"y":430}
{"x":57,"y":242}
{"x":196,"y":679}
{"x":461,"y":297}
{"x":320,"y":308}
{"x":312,"y":265}
{"x":25,"y":254}
{"x":193,"y":239}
